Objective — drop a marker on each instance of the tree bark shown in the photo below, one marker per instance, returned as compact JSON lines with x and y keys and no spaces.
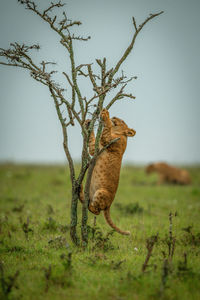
{"x":84,"y":234}
{"x":74,"y":204}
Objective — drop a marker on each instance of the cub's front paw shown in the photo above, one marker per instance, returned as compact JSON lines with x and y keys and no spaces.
{"x":87,"y":123}
{"x":104,"y":114}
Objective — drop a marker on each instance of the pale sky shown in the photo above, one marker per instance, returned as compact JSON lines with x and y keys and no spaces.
{"x":166,"y":111}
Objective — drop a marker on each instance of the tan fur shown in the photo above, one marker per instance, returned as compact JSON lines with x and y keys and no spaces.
{"x":169,"y":174}
{"x":105,"y":176}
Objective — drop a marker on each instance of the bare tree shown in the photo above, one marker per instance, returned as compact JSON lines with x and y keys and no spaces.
{"x":19,"y":55}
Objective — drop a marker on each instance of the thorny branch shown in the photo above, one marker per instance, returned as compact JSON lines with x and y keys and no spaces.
{"x":77,"y":107}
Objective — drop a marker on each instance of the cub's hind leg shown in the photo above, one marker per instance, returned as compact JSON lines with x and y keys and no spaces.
{"x":101,"y":200}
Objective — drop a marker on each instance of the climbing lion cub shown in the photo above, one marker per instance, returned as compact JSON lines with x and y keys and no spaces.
{"x":105,"y":176}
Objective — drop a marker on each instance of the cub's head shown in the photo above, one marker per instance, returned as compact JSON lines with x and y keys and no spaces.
{"x":119,"y":127}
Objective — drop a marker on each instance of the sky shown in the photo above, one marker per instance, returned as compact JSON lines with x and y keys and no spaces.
{"x":166,"y":111}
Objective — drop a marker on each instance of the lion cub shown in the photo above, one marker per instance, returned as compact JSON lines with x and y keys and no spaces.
{"x":169,"y":173}
{"x":105,"y":177}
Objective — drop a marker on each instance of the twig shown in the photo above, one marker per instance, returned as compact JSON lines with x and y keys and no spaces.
{"x":47,"y":274}
{"x":150,"y":242}
{"x":7,"y":284}
{"x":134,"y":23}
{"x":165,"y":272}
{"x":172,"y":240}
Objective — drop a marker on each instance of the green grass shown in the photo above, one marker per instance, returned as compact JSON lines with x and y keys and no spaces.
{"x":50,"y":267}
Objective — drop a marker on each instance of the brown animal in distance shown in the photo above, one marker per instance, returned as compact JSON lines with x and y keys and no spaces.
{"x":169,"y":174}
{"x":105,"y":176}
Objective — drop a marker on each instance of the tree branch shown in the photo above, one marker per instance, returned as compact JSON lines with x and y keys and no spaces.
{"x":65,"y":137}
{"x":134,"y":23}
{"x":130,"y":47}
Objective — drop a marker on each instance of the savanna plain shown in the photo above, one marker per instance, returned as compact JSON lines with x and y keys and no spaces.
{"x":159,"y":260}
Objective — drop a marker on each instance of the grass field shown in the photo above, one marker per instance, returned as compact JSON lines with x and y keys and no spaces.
{"x":38,"y":260}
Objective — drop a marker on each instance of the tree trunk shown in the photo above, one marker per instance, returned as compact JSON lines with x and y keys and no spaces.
{"x":74,"y":203}
{"x":84,"y":233}
{"x":86,"y":202}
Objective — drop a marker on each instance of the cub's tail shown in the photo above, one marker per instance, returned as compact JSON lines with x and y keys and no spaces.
{"x":110,"y":222}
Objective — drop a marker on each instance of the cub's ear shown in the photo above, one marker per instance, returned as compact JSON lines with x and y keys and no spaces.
{"x":130,"y":132}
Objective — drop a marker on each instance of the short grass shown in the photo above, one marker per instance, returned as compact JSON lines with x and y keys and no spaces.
{"x":38,"y":260}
